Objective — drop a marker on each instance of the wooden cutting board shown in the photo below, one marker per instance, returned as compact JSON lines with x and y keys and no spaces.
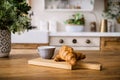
{"x":65,"y":65}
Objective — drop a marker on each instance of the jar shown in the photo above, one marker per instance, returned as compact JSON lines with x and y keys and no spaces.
{"x":93,"y":27}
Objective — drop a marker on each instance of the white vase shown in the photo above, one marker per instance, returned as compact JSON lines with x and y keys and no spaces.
{"x":52,"y":26}
{"x":74,"y":28}
{"x":111,"y":25}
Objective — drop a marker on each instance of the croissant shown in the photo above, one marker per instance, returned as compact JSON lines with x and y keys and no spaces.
{"x":67,"y":53}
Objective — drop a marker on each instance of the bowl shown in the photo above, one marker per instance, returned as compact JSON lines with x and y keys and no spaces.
{"x":46,"y":52}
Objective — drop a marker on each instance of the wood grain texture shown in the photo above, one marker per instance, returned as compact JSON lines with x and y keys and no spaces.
{"x":26,"y":45}
{"x":49,"y":63}
{"x":110,"y":44}
{"x":64,"y":65}
{"x":16,"y":67}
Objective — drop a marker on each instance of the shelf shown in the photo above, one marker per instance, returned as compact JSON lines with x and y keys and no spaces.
{"x":97,"y":34}
{"x":68,"y":10}
{"x":69,"y":5}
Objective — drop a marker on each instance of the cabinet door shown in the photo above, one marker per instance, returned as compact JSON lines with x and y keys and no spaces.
{"x":110,"y":44}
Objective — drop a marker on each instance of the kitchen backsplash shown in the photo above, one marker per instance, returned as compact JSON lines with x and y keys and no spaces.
{"x":40,"y":15}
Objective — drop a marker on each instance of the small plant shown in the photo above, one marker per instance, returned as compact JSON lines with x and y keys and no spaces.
{"x":78,"y":19}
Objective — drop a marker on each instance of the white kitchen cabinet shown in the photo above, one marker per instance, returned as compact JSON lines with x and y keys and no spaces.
{"x":77,"y":42}
{"x":69,"y":5}
{"x":85,"y":40}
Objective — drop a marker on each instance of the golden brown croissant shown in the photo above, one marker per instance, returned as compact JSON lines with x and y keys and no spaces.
{"x":67,"y":53}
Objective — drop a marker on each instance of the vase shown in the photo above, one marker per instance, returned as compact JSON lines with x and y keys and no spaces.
{"x":111,"y":25}
{"x":103,"y":25}
{"x":74,"y":28}
{"x":5,"y":43}
{"x":52,"y":26}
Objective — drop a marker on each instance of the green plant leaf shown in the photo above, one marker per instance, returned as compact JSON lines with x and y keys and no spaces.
{"x":77,"y":19}
{"x":13,"y":15}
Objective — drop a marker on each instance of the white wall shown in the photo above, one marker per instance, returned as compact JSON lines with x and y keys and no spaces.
{"x":60,"y":17}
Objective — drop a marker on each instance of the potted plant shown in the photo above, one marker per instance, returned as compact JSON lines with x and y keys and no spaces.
{"x":13,"y":18}
{"x":112,"y":10}
{"x":76,"y":23}
{"x":111,"y":14}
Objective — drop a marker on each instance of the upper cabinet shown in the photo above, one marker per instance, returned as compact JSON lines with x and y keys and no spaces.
{"x":69,"y":5}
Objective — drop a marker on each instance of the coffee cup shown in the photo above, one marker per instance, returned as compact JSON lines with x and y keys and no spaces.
{"x":46,"y":52}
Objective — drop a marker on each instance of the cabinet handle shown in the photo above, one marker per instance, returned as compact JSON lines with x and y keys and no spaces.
{"x":61,"y":41}
{"x":74,"y":41}
{"x":88,"y":41}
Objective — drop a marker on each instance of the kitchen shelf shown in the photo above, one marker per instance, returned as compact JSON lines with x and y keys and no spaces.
{"x":97,"y":34}
{"x":68,"y":10}
{"x":69,"y":5}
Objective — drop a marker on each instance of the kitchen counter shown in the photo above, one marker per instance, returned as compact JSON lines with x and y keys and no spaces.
{"x":84,"y":40}
{"x":99,"y":34}
{"x":16,"y":67}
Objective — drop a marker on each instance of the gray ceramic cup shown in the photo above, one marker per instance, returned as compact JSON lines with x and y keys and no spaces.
{"x":46,"y":52}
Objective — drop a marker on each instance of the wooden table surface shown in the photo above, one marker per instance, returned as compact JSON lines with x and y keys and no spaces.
{"x":16,"y":67}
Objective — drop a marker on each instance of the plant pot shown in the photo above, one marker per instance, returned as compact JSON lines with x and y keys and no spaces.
{"x":74,"y":28}
{"x":5,"y":43}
